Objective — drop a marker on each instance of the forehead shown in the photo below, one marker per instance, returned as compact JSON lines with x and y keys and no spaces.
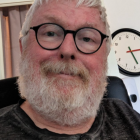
{"x":68,"y":15}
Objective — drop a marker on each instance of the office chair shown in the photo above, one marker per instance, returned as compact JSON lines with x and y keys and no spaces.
{"x":9,"y":91}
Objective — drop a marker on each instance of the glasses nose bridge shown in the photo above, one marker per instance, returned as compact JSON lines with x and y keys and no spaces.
{"x":70,"y":32}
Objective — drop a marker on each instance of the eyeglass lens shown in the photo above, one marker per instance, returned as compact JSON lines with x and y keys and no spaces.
{"x":50,"y":36}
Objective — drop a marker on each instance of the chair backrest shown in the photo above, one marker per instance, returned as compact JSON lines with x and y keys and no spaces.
{"x":117,"y":89}
{"x":9,"y":91}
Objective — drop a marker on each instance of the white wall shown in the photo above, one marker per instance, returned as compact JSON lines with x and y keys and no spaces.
{"x":1,"y":52}
{"x":123,"y":14}
{"x":112,"y":64}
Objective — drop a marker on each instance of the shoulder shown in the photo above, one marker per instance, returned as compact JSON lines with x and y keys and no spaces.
{"x":5,"y":110}
{"x":6,"y":115}
{"x":116,"y":106}
{"x":120,"y":120}
{"x":111,"y":102}
{"x":9,"y":123}
{"x":122,"y":117}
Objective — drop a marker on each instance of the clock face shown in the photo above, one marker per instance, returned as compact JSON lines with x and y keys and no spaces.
{"x":126,"y":43}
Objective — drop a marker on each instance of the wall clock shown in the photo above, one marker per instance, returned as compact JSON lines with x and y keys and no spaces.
{"x":126,"y":43}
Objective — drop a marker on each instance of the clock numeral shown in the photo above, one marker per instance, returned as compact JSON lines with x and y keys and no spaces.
{"x":115,"y":52}
{"x":126,"y":65}
{"x":134,"y":38}
{"x":134,"y":67}
{"x":127,"y":36}
{"x":119,"y":59}
{"x":120,"y":38}
{"x":116,"y":44}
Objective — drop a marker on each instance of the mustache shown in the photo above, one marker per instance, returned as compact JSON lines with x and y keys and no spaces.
{"x":68,"y":68}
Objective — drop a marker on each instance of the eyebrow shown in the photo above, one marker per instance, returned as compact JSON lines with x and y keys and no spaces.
{"x":54,"y":19}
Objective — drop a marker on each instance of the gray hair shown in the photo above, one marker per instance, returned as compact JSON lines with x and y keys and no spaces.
{"x":88,"y":3}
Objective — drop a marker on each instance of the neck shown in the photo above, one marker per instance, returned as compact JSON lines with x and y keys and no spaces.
{"x":54,"y":127}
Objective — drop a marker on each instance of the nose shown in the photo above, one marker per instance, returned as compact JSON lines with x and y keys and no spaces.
{"x":68,"y":50}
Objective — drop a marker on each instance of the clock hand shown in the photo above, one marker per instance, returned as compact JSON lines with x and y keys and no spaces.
{"x":133,"y":55}
{"x":133,"y":50}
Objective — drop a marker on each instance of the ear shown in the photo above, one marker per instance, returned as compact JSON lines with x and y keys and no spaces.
{"x":20,"y":45}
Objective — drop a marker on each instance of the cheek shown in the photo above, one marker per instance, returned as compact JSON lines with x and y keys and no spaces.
{"x":39,"y":54}
{"x":95,"y":67}
{"x":96,"y":64}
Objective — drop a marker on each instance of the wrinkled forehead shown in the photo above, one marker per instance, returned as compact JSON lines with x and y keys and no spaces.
{"x":66,"y":12}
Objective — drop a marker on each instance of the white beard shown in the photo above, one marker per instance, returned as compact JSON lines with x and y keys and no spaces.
{"x":66,"y":102}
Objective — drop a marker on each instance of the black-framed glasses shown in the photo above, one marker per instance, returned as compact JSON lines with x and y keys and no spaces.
{"x":50,"y":36}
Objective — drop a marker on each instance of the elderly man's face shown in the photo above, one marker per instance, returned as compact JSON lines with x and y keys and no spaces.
{"x":80,"y":80}
{"x":70,"y":18}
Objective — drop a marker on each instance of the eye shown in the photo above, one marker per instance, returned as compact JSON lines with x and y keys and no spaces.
{"x":86,"y":39}
{"x":50,"y":34}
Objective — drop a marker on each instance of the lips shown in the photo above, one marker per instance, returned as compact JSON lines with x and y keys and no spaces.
{"x":67,"y":73}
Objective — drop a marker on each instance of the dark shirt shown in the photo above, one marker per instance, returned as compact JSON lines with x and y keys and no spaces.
{"x":115,"y":121}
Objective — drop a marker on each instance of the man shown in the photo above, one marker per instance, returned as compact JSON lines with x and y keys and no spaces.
{"x":64,"y":45}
